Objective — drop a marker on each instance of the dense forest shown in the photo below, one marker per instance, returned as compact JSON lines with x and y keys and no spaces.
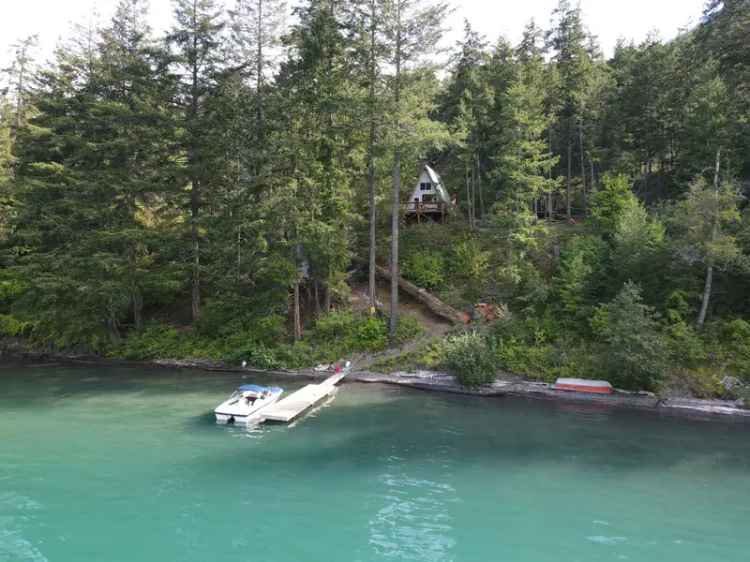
{"x":221,"y":191}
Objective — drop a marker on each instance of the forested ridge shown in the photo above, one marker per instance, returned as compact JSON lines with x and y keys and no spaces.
{"x":220,"y":191}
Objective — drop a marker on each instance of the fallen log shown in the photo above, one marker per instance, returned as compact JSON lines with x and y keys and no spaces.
{"x":434,"y":304}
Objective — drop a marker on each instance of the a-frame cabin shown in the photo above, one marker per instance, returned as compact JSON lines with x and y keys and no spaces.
{"x":430,"y":199}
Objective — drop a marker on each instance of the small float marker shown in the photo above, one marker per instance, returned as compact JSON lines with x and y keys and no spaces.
{"x":583,"y":385}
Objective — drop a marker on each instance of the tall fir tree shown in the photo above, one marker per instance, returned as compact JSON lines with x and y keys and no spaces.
{"x":568,"y":41}
{"x":196,"y":39}
{"x":412,"y":30}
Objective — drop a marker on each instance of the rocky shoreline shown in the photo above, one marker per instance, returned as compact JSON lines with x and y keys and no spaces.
{"x":421,"y":380}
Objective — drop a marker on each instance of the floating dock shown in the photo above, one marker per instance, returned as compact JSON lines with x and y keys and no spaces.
{"x":291,"y":407}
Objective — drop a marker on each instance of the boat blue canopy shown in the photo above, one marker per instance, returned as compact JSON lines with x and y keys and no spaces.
{"x":259,"y":389}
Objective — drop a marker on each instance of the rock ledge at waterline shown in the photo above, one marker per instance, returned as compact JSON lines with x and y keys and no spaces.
{"x":422,"y":380}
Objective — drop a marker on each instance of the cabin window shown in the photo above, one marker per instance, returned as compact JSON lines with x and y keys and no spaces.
{"x":425,"y":186}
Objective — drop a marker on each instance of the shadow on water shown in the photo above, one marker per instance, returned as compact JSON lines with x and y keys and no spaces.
{"x":201,"y":421}
{"x":367,"y":421}
{"x":75,"y":382}
{"x":499,"y":431}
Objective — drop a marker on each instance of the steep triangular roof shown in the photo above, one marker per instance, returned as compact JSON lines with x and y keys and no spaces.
{"x":438,"y":183}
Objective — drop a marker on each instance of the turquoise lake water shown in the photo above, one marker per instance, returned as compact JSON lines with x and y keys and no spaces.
{"x":126,"y":465}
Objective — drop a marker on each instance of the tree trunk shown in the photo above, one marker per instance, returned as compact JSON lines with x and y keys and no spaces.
{"x":479,"y":188}
{"x":136,"y":300}
{"x":583,"y":166}
{"x":714,"y":232}
{"x":435,"y":305}
{"x":316,"y":289}
{"x":259,"y":81}
{"x":549,"y":176}
{"x":469,"y":199}
{"x":395,"y":218}
{"x":239,"y":253}
{"x":549,"y":206}
{"x":568,"y":210}
{"x":371,"y":287}
{"x":396,"y":208}
{"x":195,"y":184}
{"x":706,"y":295}
{"x":137,"y":303}
{"x":326,"y":299}
{"x":196,"y":284}
{"x":297,"y":317}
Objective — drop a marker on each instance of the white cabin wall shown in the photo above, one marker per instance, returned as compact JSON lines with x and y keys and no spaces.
{"x":417,"y":193}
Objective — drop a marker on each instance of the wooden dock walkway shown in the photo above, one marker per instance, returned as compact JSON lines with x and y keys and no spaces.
{"x":289,"y":408}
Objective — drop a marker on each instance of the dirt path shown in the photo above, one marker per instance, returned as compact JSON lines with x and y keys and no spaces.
{"x":433,"y":325}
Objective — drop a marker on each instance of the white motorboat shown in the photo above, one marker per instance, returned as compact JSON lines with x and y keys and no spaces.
{"x":246,"y":402}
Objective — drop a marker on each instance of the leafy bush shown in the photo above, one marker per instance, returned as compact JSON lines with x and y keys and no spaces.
{"x":471,"y":359}
{"x":11,"y":287}
{"x":537,"y":349}
{"x":256,"y":355}
{"x":221,"y":318}
{"x":700,"y":382}
{"x":685,"y":345}
{"x":425,"y":269}
{"x":579,"y":277}
{"x":351,"y":331}
{"x":735,"y":348}
{"x":10,"y":326}
{"x":608,"y":203}
{"x":408,"y":328}
{"x":159,"y":341}
{"x":634,"y":353}
{"x":470,"y":261}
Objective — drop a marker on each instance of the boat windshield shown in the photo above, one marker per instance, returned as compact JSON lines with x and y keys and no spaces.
{"x":237,"y":394}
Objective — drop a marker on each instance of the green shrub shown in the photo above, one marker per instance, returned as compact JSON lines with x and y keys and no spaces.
{"x":352,"y":332}
{"x":470,"y":261}
{"x":155,"y":341}
{"x":224,"y":318}
{"x":408,"y":328}
{"x":685,"y":345}
{"x":700,"y":382}
{"x":471,"y":359}
{"x":12,"y":327}
{"x":425,"y":269}
{"x":633,"y":351}
{"x":256,"y":355}
{"x":609,"y":203}
{"x":735,"y":354}
{"x":369,"y":334}
{"x":578,"y":280}
{"x":11,"y":288}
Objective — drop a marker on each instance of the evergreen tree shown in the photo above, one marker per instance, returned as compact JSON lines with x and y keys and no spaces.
{"x":412,"y":30}
{"x":568,"y":41}
{"x":138,"y":162}
{"x":255,"y":29}
{"x":366,"y":26}
{"x":19,"y":75}
{"x":466,"y":106}
{"x":94,"y":168}
{"x":196,"y":39}
{"x":317,"y":85}
{"x":526,"y":163}
{"x":6,"y":162}
{"x":724,"y":32}
{"x":635,"y":353}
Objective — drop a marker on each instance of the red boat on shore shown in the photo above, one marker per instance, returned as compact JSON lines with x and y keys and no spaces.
{"x":583,"y":385}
